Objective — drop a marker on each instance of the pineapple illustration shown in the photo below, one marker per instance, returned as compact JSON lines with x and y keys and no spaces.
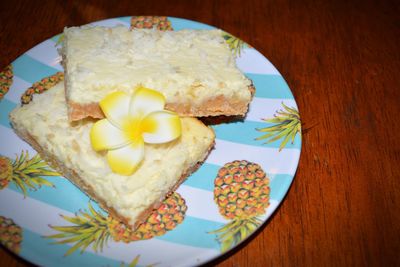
{"x":10,"y":234}
{"x":41,"y":86}
{"x":6,"y":78}
{"x":287,"y":126}
{"x":241,"y":191}
{"x":97,"y":228}
{"x":24,"y":172}
{"x":6,"y":172}
{"x":149,"y":22}
{"x":235,"y":44}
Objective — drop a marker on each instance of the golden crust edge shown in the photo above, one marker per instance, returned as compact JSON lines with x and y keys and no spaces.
{"x":219,"y":105}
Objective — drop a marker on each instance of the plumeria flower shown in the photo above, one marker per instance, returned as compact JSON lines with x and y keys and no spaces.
{"x":131,"y":121}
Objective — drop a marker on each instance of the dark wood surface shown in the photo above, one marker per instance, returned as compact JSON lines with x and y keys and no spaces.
{"x":342,"y":60}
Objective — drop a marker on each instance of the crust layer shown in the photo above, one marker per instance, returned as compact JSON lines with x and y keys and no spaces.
{"x":216,"y":106}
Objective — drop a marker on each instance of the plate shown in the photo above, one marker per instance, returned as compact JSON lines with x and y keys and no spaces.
{"x":48,"y":221}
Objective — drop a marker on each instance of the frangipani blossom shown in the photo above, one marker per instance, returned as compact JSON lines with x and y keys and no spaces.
{"x":132,"y":120}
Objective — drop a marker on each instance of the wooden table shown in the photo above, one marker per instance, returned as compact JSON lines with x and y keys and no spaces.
{"x":342,"y":60}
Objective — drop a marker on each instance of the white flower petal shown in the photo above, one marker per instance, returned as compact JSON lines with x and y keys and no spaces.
{"x":105,"y":135}
{"x":160,"y":127}
{"x":126,"y":159}
{"x":116,"y":108}
{"x":145,"y":101}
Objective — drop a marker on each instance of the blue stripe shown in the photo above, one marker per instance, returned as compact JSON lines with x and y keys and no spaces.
{"x":194,"y":232}
{"x":270,"y":86}
{"x":39,"y":250}
{"x":245,"y":132}
{"x":204,"y":177}
{"x":279,"y":185}
{"x":6,"y":106}
{"x":30,"y":69}
{"x":180,"y":24}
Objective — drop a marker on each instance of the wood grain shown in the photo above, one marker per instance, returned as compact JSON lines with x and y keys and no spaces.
{"x":342,"y":60}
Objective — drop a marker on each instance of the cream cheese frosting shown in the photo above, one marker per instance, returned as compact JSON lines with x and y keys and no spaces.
{"x":187,"y":66}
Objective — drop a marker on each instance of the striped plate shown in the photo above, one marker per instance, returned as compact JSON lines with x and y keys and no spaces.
{"x":205,"y":233}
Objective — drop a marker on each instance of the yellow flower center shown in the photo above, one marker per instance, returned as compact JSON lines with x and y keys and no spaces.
{"x":131,"y":121}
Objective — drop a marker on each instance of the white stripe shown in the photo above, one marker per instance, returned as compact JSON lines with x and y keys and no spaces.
{"x":11,"y":145}
{"x":109,"y":23}
{"x":270,"y":159}
{"x":252,"y":61}
{"x":18,"y":87}
{"x":154,"y":251}
{"x":261,"y":108}
{"x":24,"y":213}
{"x":46,"y":53}
{"x":195,"y":200}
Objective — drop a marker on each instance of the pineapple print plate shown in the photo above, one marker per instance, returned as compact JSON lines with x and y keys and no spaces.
{"x":48,"y":221}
